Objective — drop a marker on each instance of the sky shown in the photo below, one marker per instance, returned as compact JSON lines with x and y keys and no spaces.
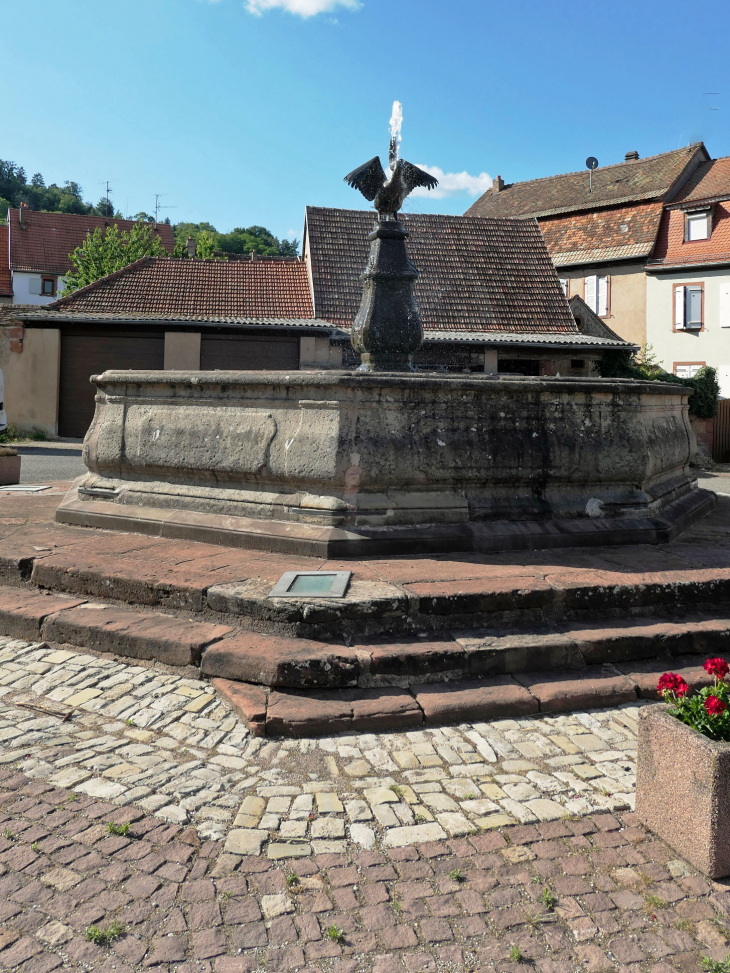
{"x":242,"y":112}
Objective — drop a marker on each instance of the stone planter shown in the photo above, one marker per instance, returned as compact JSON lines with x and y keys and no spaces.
{"x":9,"y":466}
{"x":683,"y":790}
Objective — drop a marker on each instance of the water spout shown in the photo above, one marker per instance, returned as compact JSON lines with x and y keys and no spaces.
{"x":396,"y":121}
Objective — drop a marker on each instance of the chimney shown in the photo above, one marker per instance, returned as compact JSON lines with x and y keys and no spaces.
{"x":21,"y":214}
{"x":497,"y":184}
{"x":253,"y":254}
{"x":190,"y":247}
{"x":632,"y":156}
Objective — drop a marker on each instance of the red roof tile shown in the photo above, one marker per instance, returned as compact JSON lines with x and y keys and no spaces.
{"x":182,"y":288}
{"x":671,"y":250}
{"x":475,"y":275}
{"x":604,"y":234}
{"x":635,"y":181}
{"x":711,"y":180}
{"x":6,"y":281}
{"x":46,"y":241}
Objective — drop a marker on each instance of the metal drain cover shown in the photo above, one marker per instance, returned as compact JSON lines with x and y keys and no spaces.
{"x":311,"y":584}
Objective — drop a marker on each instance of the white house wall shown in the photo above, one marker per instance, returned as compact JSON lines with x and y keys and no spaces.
{"x":22,"y":288}
{"x":710,"y":345}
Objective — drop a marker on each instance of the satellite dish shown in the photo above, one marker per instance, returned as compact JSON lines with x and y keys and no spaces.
{"x":591,"y":162}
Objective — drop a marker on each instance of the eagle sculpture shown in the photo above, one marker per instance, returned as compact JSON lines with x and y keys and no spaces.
{"x":388,"y":192}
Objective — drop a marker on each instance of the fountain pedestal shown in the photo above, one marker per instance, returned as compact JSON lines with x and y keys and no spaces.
{"x":387,"y":330}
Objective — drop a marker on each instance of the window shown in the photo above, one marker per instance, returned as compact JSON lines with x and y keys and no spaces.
{"x":48,"y":286}
{"x":596,"y":295}
{"x":577,"y":363}
{"x":687,"y":369}
{"x":688,"y":306}
{"x":565,"y":284}
{"x":697,"y":226}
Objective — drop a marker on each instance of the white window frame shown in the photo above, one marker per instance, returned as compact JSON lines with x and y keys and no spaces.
{"x":597,"y":294}
{"x":682,"y":303}
{"x":694,"y":221}
{"x":565,"y":284}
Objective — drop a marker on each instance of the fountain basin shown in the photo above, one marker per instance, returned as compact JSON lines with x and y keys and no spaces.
{"x":340,"y":463}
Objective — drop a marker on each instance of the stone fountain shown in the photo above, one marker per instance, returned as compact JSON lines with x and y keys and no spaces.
{"x":383,"y":460}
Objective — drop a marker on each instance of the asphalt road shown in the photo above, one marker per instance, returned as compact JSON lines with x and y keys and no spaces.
{"x":48,"y":462}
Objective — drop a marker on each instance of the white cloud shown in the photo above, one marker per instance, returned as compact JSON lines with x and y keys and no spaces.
{"x":302,"y":8}
{"x":454,"y":183}
{"x":291,"y":235}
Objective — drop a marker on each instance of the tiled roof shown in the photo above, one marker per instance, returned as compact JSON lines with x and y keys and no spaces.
{"x":475,"y":275}
{"x":589,"y":323}
{"x":46,"y":241}
{"x":537,"y":338}
{"x":711,"y":180}
{"x":636,"y":181}
{"x":672,"y":251}
{"x":200,"y":289}
{"x":604,"y":234}
{"x":6,"y":280}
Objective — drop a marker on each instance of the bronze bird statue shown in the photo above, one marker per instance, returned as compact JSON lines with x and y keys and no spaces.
{"x":389,"y":191}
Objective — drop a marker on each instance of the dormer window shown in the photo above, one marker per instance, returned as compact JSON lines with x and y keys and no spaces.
{"x":697,"y":226}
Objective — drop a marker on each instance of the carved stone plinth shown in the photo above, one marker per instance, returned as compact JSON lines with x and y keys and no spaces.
{"x":387,"y":330}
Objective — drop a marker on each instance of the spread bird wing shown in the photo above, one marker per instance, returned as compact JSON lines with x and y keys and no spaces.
{"x":414,"y":177}
{"x":368,"y":178}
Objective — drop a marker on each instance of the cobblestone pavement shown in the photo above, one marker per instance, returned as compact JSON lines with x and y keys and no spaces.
{"x":480,"y":847}
{"x":138,"y":735}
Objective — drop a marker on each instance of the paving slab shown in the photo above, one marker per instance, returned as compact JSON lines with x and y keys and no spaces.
{"x":126,"y":632}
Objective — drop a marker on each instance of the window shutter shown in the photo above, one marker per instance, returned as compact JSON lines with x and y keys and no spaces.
{"x":602,"y":300}
{"x":679,"y":307}
{"x":725,"y":304}
{"x":590,"y":292}
{"x":34,"y":285}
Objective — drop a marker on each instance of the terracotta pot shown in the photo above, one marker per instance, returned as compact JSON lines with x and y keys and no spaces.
{"x":683,"y":790}
{"x":9,"y":470}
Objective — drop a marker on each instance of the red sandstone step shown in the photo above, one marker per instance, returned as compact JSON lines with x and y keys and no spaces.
{"x":23,"y":611}
{"x":279,"y":713}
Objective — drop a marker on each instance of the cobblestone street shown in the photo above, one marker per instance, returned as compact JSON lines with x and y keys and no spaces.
{"x":475,"y":847}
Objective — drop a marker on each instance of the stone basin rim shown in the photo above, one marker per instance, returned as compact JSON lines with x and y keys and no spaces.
{"x":332,"y":378}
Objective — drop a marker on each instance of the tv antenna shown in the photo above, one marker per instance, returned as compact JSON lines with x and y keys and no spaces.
{"x":159,"y":206}
{"x":591,"y":164}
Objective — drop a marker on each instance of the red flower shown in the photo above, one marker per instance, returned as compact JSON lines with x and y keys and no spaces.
{"x":714,"y":706}
{"x":716,"y":667}
{"x":670,"y":682}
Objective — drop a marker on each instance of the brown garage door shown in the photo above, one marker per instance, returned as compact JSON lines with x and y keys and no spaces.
{"x":242,"y":352}
{"x":88,"y":353}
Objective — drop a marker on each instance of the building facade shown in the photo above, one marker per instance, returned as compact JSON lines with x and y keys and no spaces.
{"x":601,"y":228}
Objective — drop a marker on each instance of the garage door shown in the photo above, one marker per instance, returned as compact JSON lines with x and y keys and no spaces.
{"x":243,"y":352}
{"x":87,"y":353}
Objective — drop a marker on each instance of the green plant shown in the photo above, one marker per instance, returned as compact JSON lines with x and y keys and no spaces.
{"x":38,"y":436}
{"x":397,"y":790}
{"x":516,"y":955}
{"x":397,"y":904}
{"x":11,"y":435}
{"x":335,"y":934}
{"x":420,"y":818}
{"x":656,"y":902}
{"x":548,"y":899}
{"x":292,"y":879}
{"x":686,"y":926}
{"x":72,"y":797}
{"x":8,"y":834}
{"x":708,"y":711}
{"x":35,"y":847}
{"x":129,"y":722}
{"x":645,"y":366}
{"x":122,"y":830}
{"x":715,"y":966}
{"x":225,"y":896}
{"x":104,"y":937}
{"x":457,"y":875}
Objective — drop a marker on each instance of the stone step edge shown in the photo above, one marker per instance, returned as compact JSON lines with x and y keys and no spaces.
{"x":275,"y":713}
{"x":155,"y":636}
{"x":290,"y":663}
{"x":474,"y":604}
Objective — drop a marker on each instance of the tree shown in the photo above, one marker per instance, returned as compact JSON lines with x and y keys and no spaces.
{"x":104,"y":253}
{"x":205,"y":247}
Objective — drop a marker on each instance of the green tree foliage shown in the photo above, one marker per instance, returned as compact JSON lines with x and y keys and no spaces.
{"x":644,"y":365}
{"x":241,"y":240}
{"x":205,"y":247}
{"x":103,"y":253}
{"x":15,"y":189}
